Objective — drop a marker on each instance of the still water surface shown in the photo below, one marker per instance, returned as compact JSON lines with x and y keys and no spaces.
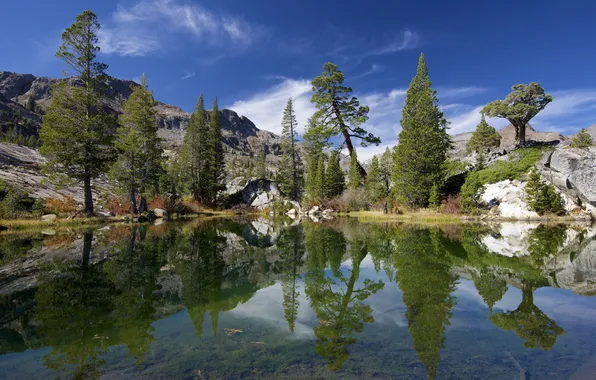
{"x":235,"y":299}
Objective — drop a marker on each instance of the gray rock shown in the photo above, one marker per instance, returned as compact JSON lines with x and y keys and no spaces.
{"x":315,"y":210}
{"x":49,"y":218}
{"x":48,"y":232}
{"x":161,"y":213}
{"x":292,"y":212}
{"x":260,"y":193}
{"x":104,"y":214}
{"x":573,"y":172}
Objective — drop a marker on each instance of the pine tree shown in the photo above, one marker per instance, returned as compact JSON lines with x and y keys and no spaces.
{"x":423,"y":142}
{"x":340,"y":113}
{"x":582,"y":140}
{"x":138,"y":167}
{"x":320,"y":185}
{"x":261,"y":164}
{"x":484,"y":137}
{"x":77,"y":136}
{"x":354,"y":178}
{"x":542,"y":197}
{"x":375,"y":188}
{"x":434,"y":198}
{"x":31,"y":104}
{"x":194,"y":153}
{"x":386,"y":170}
{"x":314,"y":141}
{"x":215,"y":156}
{"x":334,"y":176}
{"x":290,"y":169}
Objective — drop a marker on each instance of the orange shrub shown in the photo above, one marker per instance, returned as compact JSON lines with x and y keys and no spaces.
{"x":119,"y":205}
{"x":157,"y":202}
{"x":452,"y":205}
{"x":61,"y":206}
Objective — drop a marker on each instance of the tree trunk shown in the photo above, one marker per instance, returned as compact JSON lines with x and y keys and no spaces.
{"x":87,"y":241}
{"x":143,"y":204}
{"x":522,"y":135}
{"x":88,"y":195}
{"x":133,"y":201}
{"x":348,"y":141}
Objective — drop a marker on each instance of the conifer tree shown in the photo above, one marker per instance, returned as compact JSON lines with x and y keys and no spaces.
{"x":375,"y":189}
{"x":261,"y":164}
{"x":386,"y":170}
{"x":542,"y":197}
{"x":582,"y":140}
{"x":334,"y":176}
{"x":434,"y":198}
{"x":354,"y":178}
{"x":290,"y":169}
{"x":484,"y":137}
{"x":215,"y":156}
{"x":194,"y":153}
{"x":320,"y":184}
{"x":138,"y":167}
{"x":423,"y":142}
{"x":338,"y":112}
{"x":77,"y":135}
{"x":313,"y":144}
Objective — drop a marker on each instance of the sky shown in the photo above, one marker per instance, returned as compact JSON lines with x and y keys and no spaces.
{"x":255,"y":55}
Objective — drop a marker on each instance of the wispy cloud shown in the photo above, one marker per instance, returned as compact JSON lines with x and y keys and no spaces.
{"x":460,"y":92}
{"x":408,"y":40}
{"x":375,"y":68}
{"x":188,"y":76}
{"x":149,"y":25}
{"x":265,"y":108}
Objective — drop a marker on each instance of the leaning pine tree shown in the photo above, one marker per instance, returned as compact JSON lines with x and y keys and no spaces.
{"x":77,"y":135}
{"x":138,"y":168}
{"x":423,"y":142}
{"x":290,"y":169}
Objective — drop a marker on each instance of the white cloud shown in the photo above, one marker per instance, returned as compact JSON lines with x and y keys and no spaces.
{"x":266,"y":108}
{"x":149,"y":25}
{"x":188,"y":76}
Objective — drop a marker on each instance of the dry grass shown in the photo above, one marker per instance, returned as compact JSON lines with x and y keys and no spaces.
{"x":418,"y":215}
{"x":37,"y":224}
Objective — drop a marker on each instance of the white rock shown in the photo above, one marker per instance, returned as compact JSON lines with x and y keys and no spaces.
{"x":292,"y":212}
{"x":104,"y":214}
{"x":511,"y":197}
{"x":49,"y":218}
{"x":161,"y":213}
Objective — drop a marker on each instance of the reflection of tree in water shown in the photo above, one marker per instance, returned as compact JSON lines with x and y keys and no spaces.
{"x":424,"y":276}
{"x":207,"y":285}
{"x":73,"y":309}
{"x":134,"y":270}
{"x":291,"y":250}
{"x":529,"y":322}
{"x":545,"y":241}
{"x":335,"y":300}
{"x":491,"y":287}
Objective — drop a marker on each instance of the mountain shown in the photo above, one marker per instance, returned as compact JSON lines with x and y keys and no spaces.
{"x":241,"y":136}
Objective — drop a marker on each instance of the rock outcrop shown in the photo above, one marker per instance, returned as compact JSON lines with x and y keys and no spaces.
{"x":509,"y":198}
{"x":573,"y":172}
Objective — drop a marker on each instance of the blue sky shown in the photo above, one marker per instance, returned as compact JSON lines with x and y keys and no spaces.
{"x":254,"y":55}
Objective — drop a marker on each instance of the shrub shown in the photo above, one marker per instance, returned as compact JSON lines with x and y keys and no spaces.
{"x":11,"y":206}
{"x":516,"y":167}
{"x":452,"y":205}
{"x":350,"y":200}
{"x":542,"y":197}
{"x":582,"y":140}
{"x":119,"y":205}
{"x":58,"y":206}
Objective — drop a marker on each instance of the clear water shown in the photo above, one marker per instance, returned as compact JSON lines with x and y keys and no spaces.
{"x":234,"y":299}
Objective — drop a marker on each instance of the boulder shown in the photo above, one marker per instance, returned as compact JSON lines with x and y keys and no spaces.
{"x":292,"y":212}
{"x":511,"y":199}
{"x":161,"y":213}
{"x":315,"y":210}
{"x":260,"y":193}
{"x":573,"y":172}
{"x":48,"y":232}
{"x":104,"y":214}
{"x":49,"y":218}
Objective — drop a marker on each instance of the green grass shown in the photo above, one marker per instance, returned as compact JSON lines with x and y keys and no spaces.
{"x":516,"y":167}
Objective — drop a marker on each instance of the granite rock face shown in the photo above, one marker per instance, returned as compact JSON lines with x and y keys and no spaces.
{"x":573,"y":172}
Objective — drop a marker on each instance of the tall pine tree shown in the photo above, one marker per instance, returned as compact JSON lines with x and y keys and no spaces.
{"x":138,"y":167}
{"x":320,"y":188}
{"x":77,"y":136}
{"x":375,"y":189}
{"x":354,"y":178}
{"x":215,"y":156}
{"x":335,"y":178}
{"x":290,"y":169}
{"x":423,"y":142}
{"x":194,"y":153}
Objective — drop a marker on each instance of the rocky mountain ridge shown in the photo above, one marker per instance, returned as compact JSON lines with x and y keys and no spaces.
{"x":240,"y":134}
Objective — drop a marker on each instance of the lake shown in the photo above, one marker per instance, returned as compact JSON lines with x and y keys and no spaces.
{"x":274,"y":299}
